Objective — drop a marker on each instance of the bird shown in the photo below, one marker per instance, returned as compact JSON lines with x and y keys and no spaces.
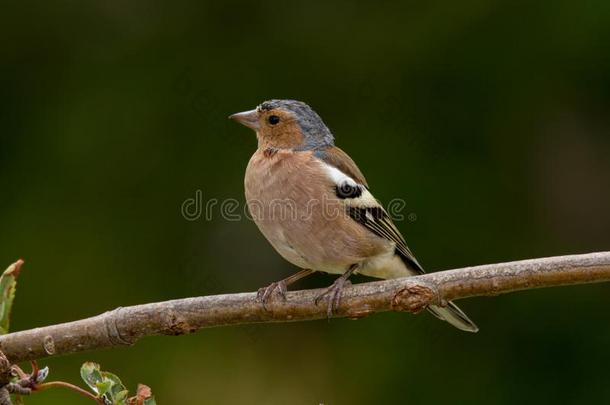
{"x":314,"y":206}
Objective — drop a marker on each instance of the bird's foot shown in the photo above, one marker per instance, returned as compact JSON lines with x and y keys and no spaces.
{"x":264,"y":294}
{"x":334,"y":295}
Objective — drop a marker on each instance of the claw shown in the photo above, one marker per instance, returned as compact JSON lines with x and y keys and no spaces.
{"x":334,"y":295}
{"x":264,"y":294}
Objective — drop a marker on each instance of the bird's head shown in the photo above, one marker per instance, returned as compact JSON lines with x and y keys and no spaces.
{"x":286,"y":124}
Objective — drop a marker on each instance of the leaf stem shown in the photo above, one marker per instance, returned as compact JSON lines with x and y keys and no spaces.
{"x":52,"y":384}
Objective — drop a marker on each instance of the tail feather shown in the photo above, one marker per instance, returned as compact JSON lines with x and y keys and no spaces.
{"x":452,"y":314}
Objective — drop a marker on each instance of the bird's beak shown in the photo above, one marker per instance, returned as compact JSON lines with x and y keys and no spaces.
{"x":247,"y":118}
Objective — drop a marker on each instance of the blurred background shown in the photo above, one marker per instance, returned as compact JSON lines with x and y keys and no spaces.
{"x":489,"y":118}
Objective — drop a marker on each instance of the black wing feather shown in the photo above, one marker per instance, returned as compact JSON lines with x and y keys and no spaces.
{"x":379,"y":222}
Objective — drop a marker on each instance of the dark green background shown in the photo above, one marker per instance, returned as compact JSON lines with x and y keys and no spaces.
{"x":490,"y":118}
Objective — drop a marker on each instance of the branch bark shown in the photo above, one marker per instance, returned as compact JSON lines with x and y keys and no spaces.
{"x":125,"y":326}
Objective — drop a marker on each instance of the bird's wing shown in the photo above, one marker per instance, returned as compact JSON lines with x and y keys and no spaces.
{"x":361,"y":206}
{"x":378,"y":221}
{"x":335,"y":157}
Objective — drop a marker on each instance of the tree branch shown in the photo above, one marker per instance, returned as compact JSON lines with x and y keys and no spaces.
{"x":125,"y":326}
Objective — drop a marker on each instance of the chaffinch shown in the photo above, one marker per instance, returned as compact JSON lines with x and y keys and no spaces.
{"x":312,"y":203}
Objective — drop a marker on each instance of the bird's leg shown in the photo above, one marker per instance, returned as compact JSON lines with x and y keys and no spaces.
{"x":335,"y":290}
{"x":264,"y":293}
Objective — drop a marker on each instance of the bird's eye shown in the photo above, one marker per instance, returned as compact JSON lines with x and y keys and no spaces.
{"x":274,"y":119}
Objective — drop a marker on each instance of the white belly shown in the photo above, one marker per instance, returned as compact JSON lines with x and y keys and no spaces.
{"x":386,"y":265}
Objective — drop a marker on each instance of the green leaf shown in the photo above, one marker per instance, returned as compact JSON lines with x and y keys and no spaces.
{"x":117,"y":392}
{"x":8,"y":283}
{"x":92,"y":376}
{"x":109,"y":387}
{"x":103,"y":387}
{"x":120,"y":396}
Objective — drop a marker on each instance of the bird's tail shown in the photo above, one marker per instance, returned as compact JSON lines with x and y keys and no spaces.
{"x":452,"y":314}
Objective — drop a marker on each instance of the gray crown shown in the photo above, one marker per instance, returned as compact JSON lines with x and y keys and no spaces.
{"x":316,"y":133}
